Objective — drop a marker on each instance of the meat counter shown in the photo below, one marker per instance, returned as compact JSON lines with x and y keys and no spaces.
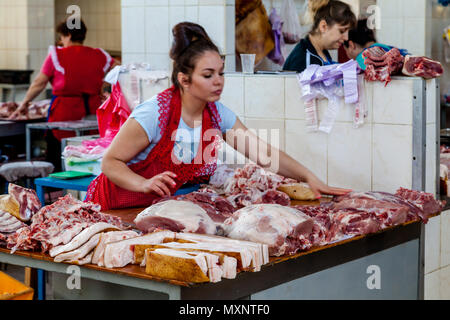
{"x":384,"y":265}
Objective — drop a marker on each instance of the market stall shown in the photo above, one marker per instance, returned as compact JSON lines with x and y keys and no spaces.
{"x":352,"y":232}
{"x":389,"y":249}
{"x":323,"y":271}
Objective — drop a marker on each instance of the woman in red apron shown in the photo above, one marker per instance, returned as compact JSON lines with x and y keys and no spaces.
{"x":76,"y":73}
{"x":198,"y":82}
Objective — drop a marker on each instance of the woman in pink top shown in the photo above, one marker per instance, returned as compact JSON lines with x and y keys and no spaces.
{"x":76,"y":74}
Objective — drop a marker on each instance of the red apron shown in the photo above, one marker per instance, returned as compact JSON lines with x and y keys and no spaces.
{"x":83,"y":69}
{"x":161,"y":157}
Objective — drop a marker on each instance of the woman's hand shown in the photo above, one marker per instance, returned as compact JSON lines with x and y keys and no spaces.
{"x":21,"y":109}
{"x":318,"y":187}
{"x":160,"y":184}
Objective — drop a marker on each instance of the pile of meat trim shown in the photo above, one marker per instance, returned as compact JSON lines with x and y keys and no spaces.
{"x":73,"y":231}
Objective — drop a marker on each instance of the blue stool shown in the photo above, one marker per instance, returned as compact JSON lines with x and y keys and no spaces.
{"x":81,"y":184}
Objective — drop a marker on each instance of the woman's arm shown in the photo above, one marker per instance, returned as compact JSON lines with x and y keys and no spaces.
{"x":129,"y":142}
{"x":38,"y":84}
{"x":265,"y":155}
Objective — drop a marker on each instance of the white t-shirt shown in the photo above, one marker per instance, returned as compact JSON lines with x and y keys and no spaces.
{"x":187,"y":139}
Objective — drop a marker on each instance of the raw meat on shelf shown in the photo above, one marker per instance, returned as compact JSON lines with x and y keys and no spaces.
{"x":380,"y":65}
{"x":58,"y":224}
{"x":109,"y":237}
{"x":177,"y":216}
{"x":422,"y":67}
{"x":254,"y":176}
{"x":387,"y":208}
{"x":217,"y":207}
{"x":9,"y":223}
{"x":252,"y":184}
{"x":285,"y":230}
{"x":426,"y":202}
{"x":21,"y":202}
{"x":36,"y":110}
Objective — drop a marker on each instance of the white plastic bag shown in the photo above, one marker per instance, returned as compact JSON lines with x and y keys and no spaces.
{"x":291,"y":26}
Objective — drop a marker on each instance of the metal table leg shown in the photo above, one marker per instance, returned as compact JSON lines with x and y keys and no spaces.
{"x":40,"y":273}
{"x":40,"y":194}
{"x":41,"y":284}
{"x":28,"y":142}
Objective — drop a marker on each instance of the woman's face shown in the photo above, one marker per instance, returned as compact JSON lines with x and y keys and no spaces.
{"x":333,"y":37}
{"x":207,"y":79}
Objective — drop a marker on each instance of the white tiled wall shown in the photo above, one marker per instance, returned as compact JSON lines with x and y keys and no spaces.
{"x":147,"y":28}
{"x":26,"y":31}
{"x":376,"y":156}
{"x":437,"y":257}
{"x":13,"y":34}
{"x":406,"y":24}
{"x":41,"y":32}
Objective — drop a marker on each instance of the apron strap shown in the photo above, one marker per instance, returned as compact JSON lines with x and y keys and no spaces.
{"x":50,"y":107}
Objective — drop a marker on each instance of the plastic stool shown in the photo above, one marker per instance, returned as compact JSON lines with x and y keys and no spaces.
{"x":13,"y":171}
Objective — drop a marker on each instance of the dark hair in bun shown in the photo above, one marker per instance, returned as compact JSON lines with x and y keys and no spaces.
{"x":190,"y":41}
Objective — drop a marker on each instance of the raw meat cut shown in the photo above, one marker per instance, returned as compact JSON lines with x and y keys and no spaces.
{"x":253,"y":176}
{"x":334,"y":224}
{"x":424,"y":201}
{"x":7,"y":108}
{"x":175,"y":215}
{"x":274,"y":197}
{"x":260,"y":251}
{"x":422,"y":67}
{"x":35,"y":110}
{"x":8,"y":226}
{"x":82,"y":238}
{"x":227,"y":262}
{"x":80,"y":252}
{"x":326,"y":228}
{"x":179,"y":265}
{"x":241,"y":254}
{"x":387,"y":208}
{"x":250,"y":184}
{"x":108,"y":237}
{"x":380,"y":65}
{"x":58,"y":223}
{"x":9,"y":223}
{"x":217,"y":207}
{"x":355,"y":222}
{"x":120,"y":253}
{"x":21,"y":202}
{"x":284,"y":229}
{"x":87,"y":259}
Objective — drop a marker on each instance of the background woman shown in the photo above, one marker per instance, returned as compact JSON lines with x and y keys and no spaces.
{"x":76,"y":74}
{"x":332,"y":21}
